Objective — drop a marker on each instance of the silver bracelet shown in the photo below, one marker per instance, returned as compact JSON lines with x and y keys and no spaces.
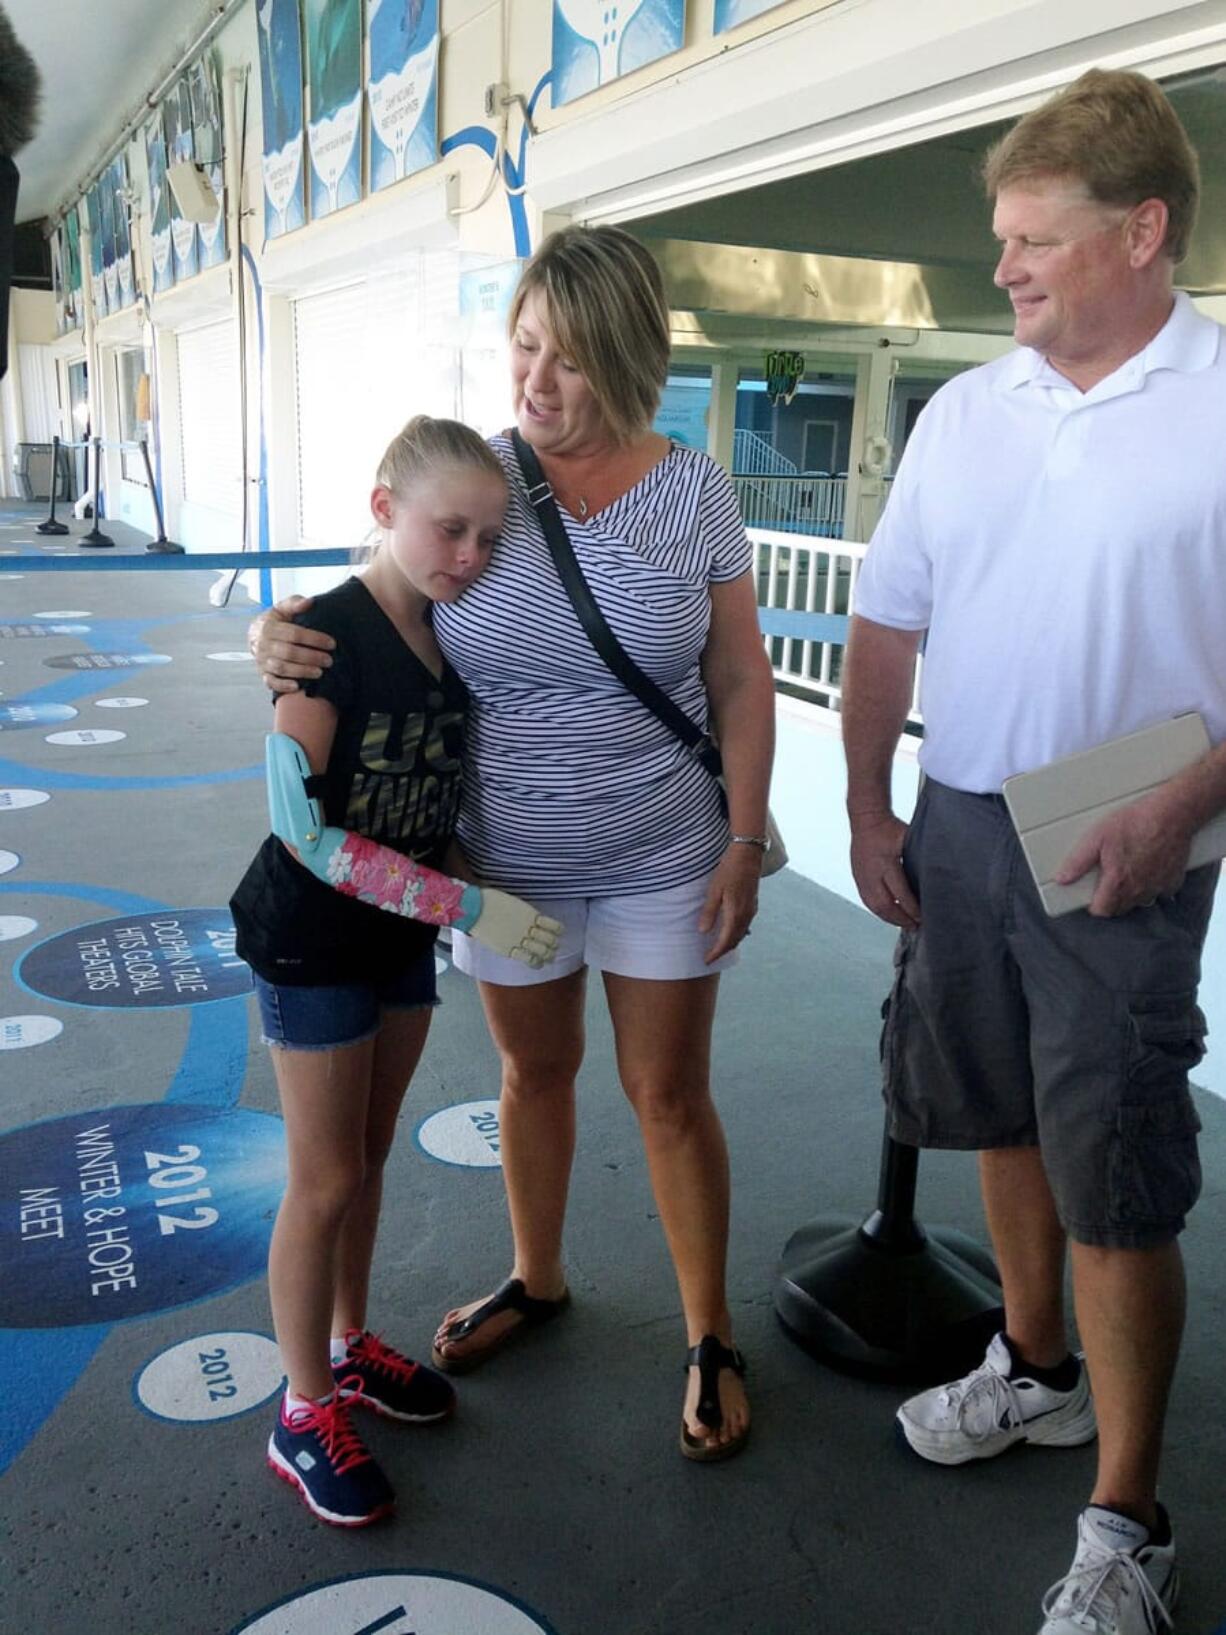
{"x":762,"y":842}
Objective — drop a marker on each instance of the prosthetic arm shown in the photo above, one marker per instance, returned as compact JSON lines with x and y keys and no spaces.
{"x":362,"y":868}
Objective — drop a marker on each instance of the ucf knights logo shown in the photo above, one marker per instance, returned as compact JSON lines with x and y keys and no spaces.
{"x":783,"y":372}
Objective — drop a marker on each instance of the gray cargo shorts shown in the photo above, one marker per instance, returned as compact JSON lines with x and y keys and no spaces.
{"x":1005,"y":1028}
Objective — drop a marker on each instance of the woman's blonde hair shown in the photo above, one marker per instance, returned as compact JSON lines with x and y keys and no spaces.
{"x":605,"y":303}
{"x":1117,"y":133}
{"x":426,"y":446}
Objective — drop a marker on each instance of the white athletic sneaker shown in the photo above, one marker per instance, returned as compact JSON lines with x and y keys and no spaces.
{"x":988,"y":1411}
{"x":1119,"y":1583}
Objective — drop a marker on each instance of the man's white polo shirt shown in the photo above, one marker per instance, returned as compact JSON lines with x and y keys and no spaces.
{"x":1066,"y":553}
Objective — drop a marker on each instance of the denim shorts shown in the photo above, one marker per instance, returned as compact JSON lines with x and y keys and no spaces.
{"x":326,"y":1018}
{"x":1009,"y":1029}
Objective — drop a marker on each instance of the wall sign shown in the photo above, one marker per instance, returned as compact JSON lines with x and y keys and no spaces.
{"x":112,"y":1213}
{"x":595,"y":42}
{"x":334,"y":83}
{"x":280,"y":34}
{"x":403,"y":94}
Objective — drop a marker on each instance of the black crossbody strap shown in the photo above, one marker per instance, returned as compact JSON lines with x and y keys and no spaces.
{"x":594,"y":623}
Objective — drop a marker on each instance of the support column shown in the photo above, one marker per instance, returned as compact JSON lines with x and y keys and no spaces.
{"x":870,"y":455}
{"x":721,"y":418}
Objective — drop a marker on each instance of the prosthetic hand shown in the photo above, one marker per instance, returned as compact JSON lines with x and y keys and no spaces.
{"x":362,"y":868}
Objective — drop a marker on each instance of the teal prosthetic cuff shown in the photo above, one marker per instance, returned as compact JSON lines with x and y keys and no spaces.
{"x":295,"y":815}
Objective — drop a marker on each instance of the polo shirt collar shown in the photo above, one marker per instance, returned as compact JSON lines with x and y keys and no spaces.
{"x":1188,"y":342}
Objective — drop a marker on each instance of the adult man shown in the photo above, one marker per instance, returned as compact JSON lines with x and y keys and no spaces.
{"x":1058,"y":528}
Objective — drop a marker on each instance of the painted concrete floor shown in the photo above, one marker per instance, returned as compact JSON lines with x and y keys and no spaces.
{"x":138,"y":1368}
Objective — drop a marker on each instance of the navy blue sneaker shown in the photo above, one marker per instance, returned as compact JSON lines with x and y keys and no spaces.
{"x":316,"y":1450}
{"x":391,"y":1383}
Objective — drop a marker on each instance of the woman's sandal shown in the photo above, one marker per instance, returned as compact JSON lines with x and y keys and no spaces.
{"x":711,"y":1356}
{"x":511,"y":1296}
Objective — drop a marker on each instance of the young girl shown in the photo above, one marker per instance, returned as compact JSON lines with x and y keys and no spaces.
{"x":345,"y":990}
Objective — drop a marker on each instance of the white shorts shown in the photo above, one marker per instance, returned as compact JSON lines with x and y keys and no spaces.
{"x":650,"y":934}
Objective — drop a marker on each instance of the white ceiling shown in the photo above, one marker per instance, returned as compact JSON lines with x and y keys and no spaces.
{"x":98,"y":60}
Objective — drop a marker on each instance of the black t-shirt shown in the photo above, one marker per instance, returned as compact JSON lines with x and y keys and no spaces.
{"x":393,"y":774}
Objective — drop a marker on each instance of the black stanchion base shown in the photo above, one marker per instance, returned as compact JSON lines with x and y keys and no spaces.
{"x":164,"y":547}
{"x":923,"y":1312}
{"x":56,"y":528}
{"x":96,"y":538}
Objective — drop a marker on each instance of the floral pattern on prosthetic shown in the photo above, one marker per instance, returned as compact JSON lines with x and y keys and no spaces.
{"x":376,"y":874}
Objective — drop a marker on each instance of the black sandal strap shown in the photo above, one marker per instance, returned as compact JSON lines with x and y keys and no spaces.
{"x":509,"y":1296}
{"x":709,"y":1356}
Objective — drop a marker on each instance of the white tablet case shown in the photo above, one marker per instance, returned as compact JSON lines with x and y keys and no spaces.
{"x":1054,"y":806}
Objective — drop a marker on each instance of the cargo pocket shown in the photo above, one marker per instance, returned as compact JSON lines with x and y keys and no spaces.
{"x":1154,"y":1173}
{"x":893,"y":1015}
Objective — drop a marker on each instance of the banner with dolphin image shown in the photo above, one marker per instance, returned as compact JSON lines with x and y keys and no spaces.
{"x":177,"y":113}
{"x":280,"y":33}
{"x":402,"y":46}
{"x":125,"y":272}
{"x":334,"y":87}
{"x":595,"y":41}
{"x":205,"y":97}
{"x":159,"y":206}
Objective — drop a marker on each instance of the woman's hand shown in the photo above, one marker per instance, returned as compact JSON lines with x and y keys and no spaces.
{"x":732,"y":898}
{"x":288,"y":653}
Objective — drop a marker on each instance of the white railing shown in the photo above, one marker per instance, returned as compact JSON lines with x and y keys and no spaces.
{"x":810,"y":575}
{"x":801,"y":505}
{"x":754,"y":456}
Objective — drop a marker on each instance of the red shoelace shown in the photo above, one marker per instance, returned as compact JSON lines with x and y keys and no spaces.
{"x":369,"y":1349}
{"x":330,"y":1419}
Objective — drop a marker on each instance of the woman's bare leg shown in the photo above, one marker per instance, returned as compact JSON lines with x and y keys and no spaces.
{"x":663,"y":1032}
{"x":538,"y":1032}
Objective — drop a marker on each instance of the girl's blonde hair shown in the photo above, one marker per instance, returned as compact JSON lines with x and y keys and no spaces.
{"x":605,"y":302}
{"x":421,"y":449}
{"x":426,"y":446}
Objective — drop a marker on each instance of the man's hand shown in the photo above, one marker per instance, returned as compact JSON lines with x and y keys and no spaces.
{"x":1141,"y":853}
{"x":288,"y":653}
{"x":876,"y":862}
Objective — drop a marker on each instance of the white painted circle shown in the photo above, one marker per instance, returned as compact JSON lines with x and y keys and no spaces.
{"x":397,"y":1603}
{"x":214,"y":1376}
{"x":19,"y":1032}
{"x":12,"y":800}
{"x":466,"y":1134}
{"x":85,"y":735}
{"x":13,"y":926}
{"x":65,"y":613}
{"x":120,"y":703}
{"x":12,"y":575}
{"x":231,"y":658}
{"x":8,"y":862}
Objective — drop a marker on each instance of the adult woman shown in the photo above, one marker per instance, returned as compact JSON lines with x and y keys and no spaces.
{"x":584,"y":802}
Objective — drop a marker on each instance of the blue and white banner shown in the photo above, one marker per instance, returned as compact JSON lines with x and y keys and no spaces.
{"x":334,"y":83}
{"x":124,"y":272}
{"x":159,"y":206}
{"x":93,"y":222}
{"x":177,"y":114}
{"x":402,"y":40}
{"x":732,"y":13}
{"x":205,"y":98}
{"x":595,"y":42}
{"x":280,"y":32}
{"x":106,"y":216}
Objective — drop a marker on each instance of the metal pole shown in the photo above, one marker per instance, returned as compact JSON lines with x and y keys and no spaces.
{"x":51,"y":526}
{"x":161,"y":546}
{"x":95,"y":536}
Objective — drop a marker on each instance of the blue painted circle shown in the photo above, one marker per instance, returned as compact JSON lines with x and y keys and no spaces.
{"x":100,"y":1221}
{"x":181,"y":956}
{"x":20,"y":717}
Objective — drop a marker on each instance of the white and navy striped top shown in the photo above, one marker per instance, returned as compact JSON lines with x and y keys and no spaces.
{"x":573,"y":788}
